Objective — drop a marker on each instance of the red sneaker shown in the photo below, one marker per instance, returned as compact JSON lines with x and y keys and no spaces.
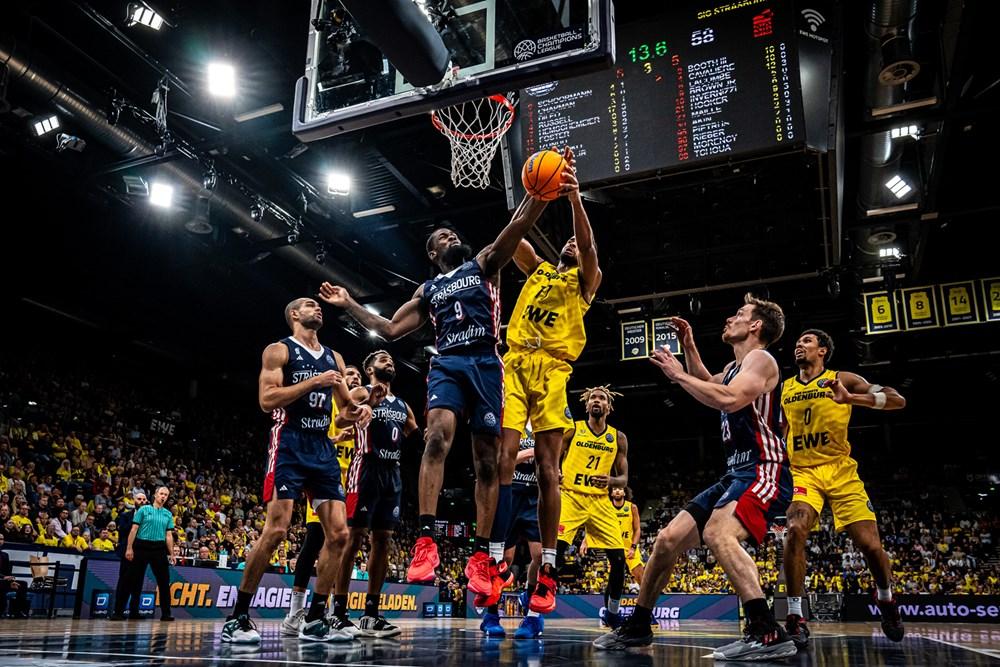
{"x":543,"y":600}
{"x":502,"y":577}
{"x":479,"y":572}
{"x":425,"y":559}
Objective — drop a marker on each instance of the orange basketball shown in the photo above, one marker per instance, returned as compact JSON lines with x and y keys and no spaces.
{"x":542,"y":174}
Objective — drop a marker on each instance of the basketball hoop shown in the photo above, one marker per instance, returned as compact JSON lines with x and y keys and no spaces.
{"x":474,"y":129}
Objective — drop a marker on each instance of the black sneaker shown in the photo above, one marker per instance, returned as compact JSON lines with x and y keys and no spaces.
{"x":240,"y":630}
{"x":797,"y":630}
{"x":627,"y":635}
{"x":758,"y":644}
{"x":892,"y":624}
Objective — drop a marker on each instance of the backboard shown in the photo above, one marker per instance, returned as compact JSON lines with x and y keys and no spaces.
{"x":495,"y":46}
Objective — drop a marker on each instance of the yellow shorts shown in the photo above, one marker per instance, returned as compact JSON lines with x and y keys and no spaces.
{"x":595,"y":514}
{"x":837,"y":483}
{"x":633,"y":562}
{"x":535,"y":390}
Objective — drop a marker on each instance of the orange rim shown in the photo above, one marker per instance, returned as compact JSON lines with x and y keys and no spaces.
{"x":499,"y":99}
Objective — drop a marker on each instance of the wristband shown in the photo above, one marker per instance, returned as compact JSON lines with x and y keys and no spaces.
{"x":875,"y":388}
{"x":879,"y":400}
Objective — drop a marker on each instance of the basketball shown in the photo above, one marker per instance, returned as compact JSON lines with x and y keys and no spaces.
{"x":542,"y":174}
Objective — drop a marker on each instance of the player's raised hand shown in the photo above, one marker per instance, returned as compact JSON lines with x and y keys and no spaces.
{"x":327,"y":379}
{"x":840,"y":394}
{"x":684,"y":332}
{"x":377,"y":394}
{"x":664,"y":359}
{"x":569,"y":186}
{"x":334,"y":295}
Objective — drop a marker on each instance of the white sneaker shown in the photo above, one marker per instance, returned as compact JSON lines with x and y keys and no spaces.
{"x":377,"y":626}
{"x":240,"y":630}
{"x":292,"y":623}
{"x":343,"y":624}
{"x":321,"y":631}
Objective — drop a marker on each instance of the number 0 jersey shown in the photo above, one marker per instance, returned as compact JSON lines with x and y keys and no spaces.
{"x":549,"y":313}
{"x":817,"y":427}
{"x":589,"y":454}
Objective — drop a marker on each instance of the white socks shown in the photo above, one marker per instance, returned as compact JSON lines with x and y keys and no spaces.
{"x":548,"y":557}
{"x":298,"y":602}
{"x":613,"y":605}
{"x":884,"y":594}
{"x":496,"y":551}
{"x":795,"y":605}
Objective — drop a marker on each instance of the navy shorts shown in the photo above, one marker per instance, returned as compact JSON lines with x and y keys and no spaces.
{"x":300,"y":461}
{"x":523,"y":516}
{"x":470,"y":385}
{"x":374,"y":494}
{"x":761,"y":497}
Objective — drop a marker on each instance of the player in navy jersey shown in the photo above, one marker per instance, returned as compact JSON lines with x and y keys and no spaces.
{"x":299,"y":378}
{"x":374,"y":493}
{"x":466,"y":377}
{"x":523,"y":525}
{"x":755,"y":490}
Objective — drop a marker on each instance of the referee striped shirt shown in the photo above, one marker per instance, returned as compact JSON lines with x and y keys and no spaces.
{"x":153,"y":523}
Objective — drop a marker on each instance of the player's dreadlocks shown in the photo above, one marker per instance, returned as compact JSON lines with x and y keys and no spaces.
{"x":606,"y":390}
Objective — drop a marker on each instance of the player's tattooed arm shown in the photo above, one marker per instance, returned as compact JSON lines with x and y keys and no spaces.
{"x":271,"y":392}
{"x":620,"y":467}
{"x":410,"y":316}
{"x":853,"y":389}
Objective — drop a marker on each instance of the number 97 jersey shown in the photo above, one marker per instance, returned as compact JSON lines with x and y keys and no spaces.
{"x":589,"y":454}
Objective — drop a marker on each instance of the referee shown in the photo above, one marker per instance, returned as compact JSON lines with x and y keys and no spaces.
{"x":151,"y":542}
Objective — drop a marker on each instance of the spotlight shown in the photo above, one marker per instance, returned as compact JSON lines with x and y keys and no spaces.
{"x":891,"y":252}
{"x":161,"y":194}
{"x":898,"y":186}
{"x":46,"y":126}
{"x":138,"y":12}
{"x":221,"y":80}
{"x":338,"y":183}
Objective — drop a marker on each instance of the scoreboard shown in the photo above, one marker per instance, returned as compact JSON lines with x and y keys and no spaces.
{"x":691,"y":86}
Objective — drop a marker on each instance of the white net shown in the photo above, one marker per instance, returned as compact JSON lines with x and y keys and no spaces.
{"x":474,"y":129}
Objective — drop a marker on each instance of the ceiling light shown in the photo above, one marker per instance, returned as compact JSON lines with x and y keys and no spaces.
{"x":46,"y":126}
{"x":161,"y":194}
{"x":138,"y":12}
{"x":338,"y":183}
{"x":221,"y":80}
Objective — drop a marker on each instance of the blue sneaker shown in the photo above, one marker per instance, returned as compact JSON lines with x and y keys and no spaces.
{"x":524,"y":598}
{"x":491,"y":626}
{"x":609,"y":619}
{"x":531,"y":628}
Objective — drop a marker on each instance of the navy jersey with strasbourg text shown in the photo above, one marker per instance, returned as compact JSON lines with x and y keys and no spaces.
{"x":524,"y":473}
{"x":752,"y":436}
{"x":383,"y":436}
{"x":311,"y":411}
{"x":465,"y":309}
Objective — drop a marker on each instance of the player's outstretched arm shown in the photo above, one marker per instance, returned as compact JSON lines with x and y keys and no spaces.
{"x":495,"y":256}
{"x":410,"y":316}
{"x":692,"y":357}
{"x":851,"y":388}
{"x":759,"y":373}
{"x":590,"y":269}
{"x":271,"y":392}
{"x":525,"y":258}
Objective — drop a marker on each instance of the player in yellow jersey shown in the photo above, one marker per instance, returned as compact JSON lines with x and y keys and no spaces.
{"x":544,"y":335}
{"x":313,"y":541}
{"x":594,"y":459}
{"x":628,"y":521}
{"x":817,"y":406}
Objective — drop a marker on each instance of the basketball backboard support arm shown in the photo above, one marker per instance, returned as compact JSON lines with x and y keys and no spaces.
{"x":494,"y":51}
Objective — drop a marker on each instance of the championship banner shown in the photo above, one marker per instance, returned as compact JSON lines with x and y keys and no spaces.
{"x":665,"y":333}
{"x":635,"y":340}
{"x":197,"y":592}
{"x":677,"y":607}
{"x":928,"y":608}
